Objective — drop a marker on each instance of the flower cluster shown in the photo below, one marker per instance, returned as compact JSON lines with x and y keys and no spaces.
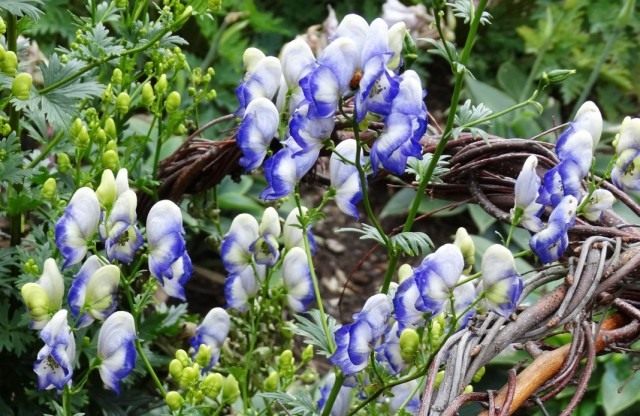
{"x":251,"y":251}
{"x":361,"y":60}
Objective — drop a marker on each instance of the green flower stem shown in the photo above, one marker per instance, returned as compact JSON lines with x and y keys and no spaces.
{"x":103,"y":61}
{"x":326,"y":410}
{"x":66,"y":401}
{"x":156,"y":156}
{"x":446,"y":134}
{"x":47,"y":149}
{"x":314,"y":277}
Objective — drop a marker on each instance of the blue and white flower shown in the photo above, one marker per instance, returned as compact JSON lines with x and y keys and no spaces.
{"x":258,"y":128}
{"x":235,"y":249}
{"x":389,"y":351}
{"x":169,"y":261}
{"x":241,"y":286}
{"x":343,"y":399}
{"x":297,"y":61}
{"x":404,"y":127}
{"x":599,"y":201}
{"x":308,"y":132}
{"x":212,"y":332}
{"x":54,"y":364}
{"x":77,"y":226}
{"x":286,"y":167}
{"x":123,"y":238}
{"x":626,"y":171}
{"x":44,"y":297}
{"x":550,"y":243}
{"x":408,"y":305}
{"x":526,"y":209}
{"x":116,"y":349}
{"x":437,"y":276}
{"x":262,"y":80}
{"x":345,"y":178}
{"x":93,"y":291}
{"x":356,"y":340}
{"x":588,"y":118}
{"x":266,"y":248}
{"x":407,"y":392}
{"x":296,"y":277}
{"x":501,"y":283}
{"x":463,"y":297}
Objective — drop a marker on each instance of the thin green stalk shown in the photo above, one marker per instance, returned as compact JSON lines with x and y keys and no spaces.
{"x":156,"y":157}
{"x":333,"y":394}
{"x":66,"y":401}
{"x":47,"y":149}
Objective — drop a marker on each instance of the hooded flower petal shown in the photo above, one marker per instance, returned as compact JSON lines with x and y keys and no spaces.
{"x":240,"y":287}
{"x":76,"y":227}
{"x":168,"y":258}
{"x":280,"y":173}
{"x":501,"y":283}
{"x":345,"y":178}
{"x":408,"y":305}
{"x":258,"y":128}
{"x":527,"y":183}
{"x":235,"y":249}
{"x":577,"y":147}
{"x":297,"y":60}
{"x":296,"y":277}
{"x":44,"y":297}
{"x":600,"y":201}
{"x":292,"y":231}
{"x":54,"y":364}
{"x":122,"y":181}
{"x":261,"y":81}
{"x":550,"y":243}
{"x":437,"y":276}
{"x":93,"y":291}
{"x":123,"y":237}
{"x":116,"y":349}
{"x":212,"y":332}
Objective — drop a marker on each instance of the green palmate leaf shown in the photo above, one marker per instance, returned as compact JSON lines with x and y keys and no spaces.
{"x":413,"y":243}
{"x":21,"y":8}
{"x":11,"y":160}
{"x":300,"y":403}
{"x":465,"y":9}
{"x":14,"y":334}
{"x":418,"y":167}
{"x":309,"y":326}
{"x":368,"y":232}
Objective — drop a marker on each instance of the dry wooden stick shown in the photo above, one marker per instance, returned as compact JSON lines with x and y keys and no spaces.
{"x":545,"y":366}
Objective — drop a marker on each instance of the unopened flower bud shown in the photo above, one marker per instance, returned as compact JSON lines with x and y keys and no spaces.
{"x":122,"y":103}
{"x":556,"y":76}
{"x":439,"y":378}
{"x":36,"y":300}
{"x":161,"y":85}
{"x":148,"y":97}
{"x":21,"y":86}
{"x":116,"y":76}
{"x":101,"y":136}
{"x":409,"y":50}
{"x":64,"y":164}
{"x":189,"y":377}
{"x":230,"y":389}
{"x":212,"y":94}
{"x":49,"y":189}
{"x":186,"y":13}
{"x":479,"y":374}
{"x":106,"y":191}
{"x":172,"y":103}
{"x":409,"y":344}
{"x":82,"y":140}
{"x":307,"y":353}
{"x":285,"y":364}
{"x":110,"y":159}
{"x":9,"y":64}
{"x":107,"y":94}
{"x":110,"y":128}
{"x":464,"y":242}
{"x":436,"y":332}
{"x":122,"y":4}
{"x":212,"y":384}
{"x":203,"y":356}
{"x":31,"y":267}
{"x":309,"y":376}
{"x":468,"y":389}
{"x":214,"y":5}
{"x":271,"y":382}
{"x":112,"y":145}
{"x":76,"y":127}
{"x":174,"y":400}
{"x":404,"y":272}
{"x":175,"y":369}
{"x":183,"y":357}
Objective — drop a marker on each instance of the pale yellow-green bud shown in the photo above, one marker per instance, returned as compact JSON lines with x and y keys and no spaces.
{"x":9,"y":64}
{"x":76,"y":127}
{"x":110,"y":159}
{"x":468,"y":389}
{"x":63,"y":161}
{"x":106,"y":191}
{"x":465,"y":243}
{"x":557,"y":76}
{"x":307,"y":353}
{"x":286,"y":361}
{"x":212,"y":94}
{"x":122,"y":103}
{"x":230,"y":389}
{"x":186,"y":13}
{"x":437,"y":330}
{"x":175,"y":369}
{"x":212,"y":384}
{"x":203,"y":356}
{"x":116,"y":76}
{"x":148,"y":97}
{"x":172,"y":103}
{"x":112,"y":145}
{"x":107,"y":94}
{"x":214,"y":5}
{"x":36,"y":300}
{"x":31,"y":267}
{"x":404,"y":272}
{"x":82,"y":140}
{"x":21,"y":86}
{"x":439,"y":378}
{"x":409,"y":344}
{"x":49,"y":189}
{"x":271,"y":382}
{"x":479,"y":374}
{"x":101,"y":136}
{"x":110,"y":128}
{"x":183,"y":357}
{"x":174,"y":400}
{"x":161,"y":85}
{"x":189,"y":377}
{"x":181,"y":129}
{"x":309,"y":376}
